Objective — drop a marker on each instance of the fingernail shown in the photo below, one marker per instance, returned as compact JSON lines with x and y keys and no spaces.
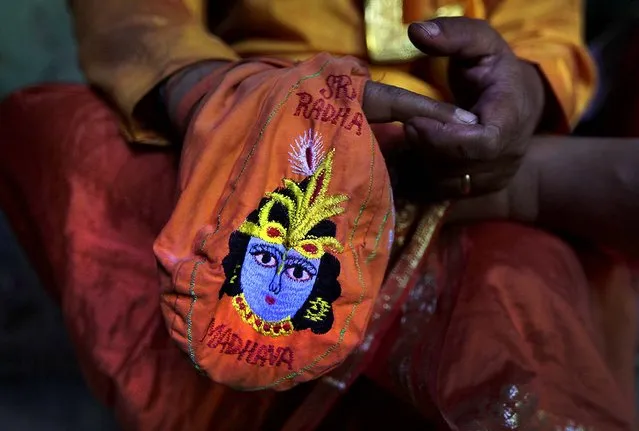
{"x":465,"y":116}
{"x":431,"y":29}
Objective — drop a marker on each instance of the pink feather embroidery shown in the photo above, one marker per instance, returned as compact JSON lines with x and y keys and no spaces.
{"x":307,"y":153}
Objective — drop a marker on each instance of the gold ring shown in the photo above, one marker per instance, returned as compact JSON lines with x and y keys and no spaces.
{"x":465,"y":185}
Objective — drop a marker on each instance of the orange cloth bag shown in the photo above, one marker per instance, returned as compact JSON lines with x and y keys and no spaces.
{"x":281,"y":235}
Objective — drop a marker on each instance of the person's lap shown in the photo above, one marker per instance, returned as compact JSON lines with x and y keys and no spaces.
{"x":86,"y":207}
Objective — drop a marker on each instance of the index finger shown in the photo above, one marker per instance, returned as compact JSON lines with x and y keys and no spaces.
{"x":386,"y":103}
{"x":465,"y":143}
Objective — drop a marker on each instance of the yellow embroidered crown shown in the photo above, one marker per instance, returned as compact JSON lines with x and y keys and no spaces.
{"x":305,"y":210}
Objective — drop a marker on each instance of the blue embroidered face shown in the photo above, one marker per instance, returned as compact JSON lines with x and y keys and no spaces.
{"x":276,"y":281}
{"x":280,"y":269}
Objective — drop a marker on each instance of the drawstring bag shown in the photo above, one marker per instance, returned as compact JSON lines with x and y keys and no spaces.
{"x":281,"y":234}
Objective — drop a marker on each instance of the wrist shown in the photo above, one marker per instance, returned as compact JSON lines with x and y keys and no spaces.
{"x":524,"y":189}
{"x":178,"y":89}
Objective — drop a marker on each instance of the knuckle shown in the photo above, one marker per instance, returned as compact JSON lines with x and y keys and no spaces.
{"x":437,"y":127}
{"x":494,"y":39}
{"x":395,"y":93}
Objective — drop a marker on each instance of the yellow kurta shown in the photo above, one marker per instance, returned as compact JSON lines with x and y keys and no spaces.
{"x":128,"y":46}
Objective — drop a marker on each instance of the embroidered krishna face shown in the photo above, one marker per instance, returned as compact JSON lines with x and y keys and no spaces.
{"x":280,"y":270}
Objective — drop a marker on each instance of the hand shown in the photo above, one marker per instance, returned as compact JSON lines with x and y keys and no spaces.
{"x":486,"y":77}
{"x":381,"y":103}
{"x":384,"y":103}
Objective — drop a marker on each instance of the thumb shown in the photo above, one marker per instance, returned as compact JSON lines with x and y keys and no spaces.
{"x":386,"y":103}
{"x":460,"y":36}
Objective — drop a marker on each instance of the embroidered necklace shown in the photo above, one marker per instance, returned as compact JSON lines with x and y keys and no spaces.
{"x":272,"y":329}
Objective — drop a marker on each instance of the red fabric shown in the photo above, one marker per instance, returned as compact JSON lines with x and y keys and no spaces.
{"x":87,"y":208}
{"x":515,"y":307}
{"x":521,"y":334}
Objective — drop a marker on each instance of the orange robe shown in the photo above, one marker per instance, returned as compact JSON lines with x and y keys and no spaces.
{"x":170,"y":35}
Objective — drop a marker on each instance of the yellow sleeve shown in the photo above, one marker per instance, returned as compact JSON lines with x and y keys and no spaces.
{"x":127,"y":47}
{"x":549,"y":34}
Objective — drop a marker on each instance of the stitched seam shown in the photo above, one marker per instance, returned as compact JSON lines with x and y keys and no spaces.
{"x":173,"y":284}
{"x":382,"y":226}
{"x":370,"y":223}
{"x":189,"y":315}
{"x":378,"y":237}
